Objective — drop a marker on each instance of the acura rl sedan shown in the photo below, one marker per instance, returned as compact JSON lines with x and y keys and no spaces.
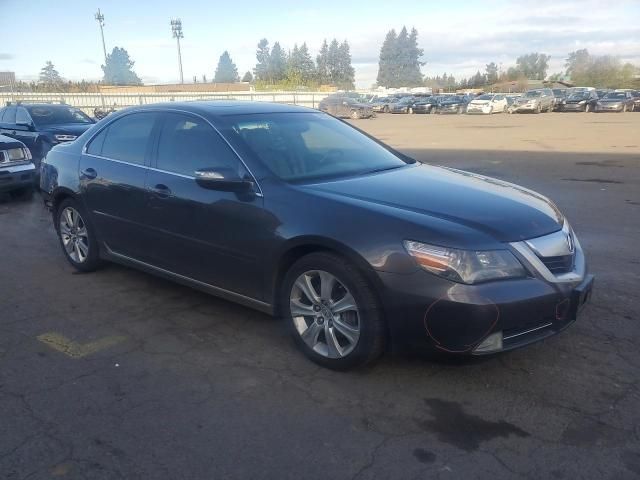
{"x":298,"y":214}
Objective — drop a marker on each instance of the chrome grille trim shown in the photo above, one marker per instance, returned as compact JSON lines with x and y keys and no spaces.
{"x":531,"y":256}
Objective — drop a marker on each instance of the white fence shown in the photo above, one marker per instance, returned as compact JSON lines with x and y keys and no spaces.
{"x":89,"y":101}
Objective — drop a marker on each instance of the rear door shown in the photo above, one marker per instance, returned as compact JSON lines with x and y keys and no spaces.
{"x":207,"y":235}
{"x":113,"y":171}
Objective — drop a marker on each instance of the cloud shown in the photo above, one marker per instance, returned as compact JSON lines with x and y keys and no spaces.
{"x":89,"y":61}
{"x":6,"y":56}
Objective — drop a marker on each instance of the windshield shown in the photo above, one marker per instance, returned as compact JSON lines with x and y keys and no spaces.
{"x":615,"y":96}
{"x":533,"y":93}
{"x":306,"y":146}
{"x":455,"y":98}
{"x":559,"y":92}
{"x":54,"y":115}
{"x":484,"y":97}
{"x":405,"y":100}
{"x":578,"y":95}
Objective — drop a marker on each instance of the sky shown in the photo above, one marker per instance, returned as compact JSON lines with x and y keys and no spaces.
{"x":458,"y":37}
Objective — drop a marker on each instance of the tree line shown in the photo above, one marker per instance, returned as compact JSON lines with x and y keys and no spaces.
{"x":275,"y":67}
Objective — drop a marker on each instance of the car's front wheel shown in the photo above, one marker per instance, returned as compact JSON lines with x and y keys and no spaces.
{"x":77,"y":236}
{"x":332,"y":312}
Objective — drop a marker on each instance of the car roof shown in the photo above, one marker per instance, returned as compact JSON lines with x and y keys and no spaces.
{"x":226,"y":107}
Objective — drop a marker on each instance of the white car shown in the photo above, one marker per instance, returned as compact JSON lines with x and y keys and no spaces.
{"x":488,"y":103}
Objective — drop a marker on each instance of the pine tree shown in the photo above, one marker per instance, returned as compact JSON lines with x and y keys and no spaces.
{"x":247,"y":77}
{"x":118,"y":69}
{"x":49,"y":76}
{"x":333,"y":62}
{"x":307,"y":68}
{"x":492,"y":73}
{"x":226,"y":71}
{"x":386,"y":63}
{"x":346,"y":77}
{"x":261,"y":69}
{"x":322,"y":60}
{"x":277,"y":63}
{"x":412,"y":73}
{"x":402,"y":58}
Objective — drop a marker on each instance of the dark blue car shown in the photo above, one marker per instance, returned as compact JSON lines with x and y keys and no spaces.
{"x":300,"y":215}
{"x":40,"y":126}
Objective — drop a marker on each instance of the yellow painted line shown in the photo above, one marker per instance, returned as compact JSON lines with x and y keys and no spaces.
{"x":77,"y":350}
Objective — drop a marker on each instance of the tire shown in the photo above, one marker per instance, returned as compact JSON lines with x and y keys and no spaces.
{"x":355,"y":115}
{"x":386,"y":109}
{"x":539,"y":109}
{"x":83,"y":254}
{"x":410,"y":111}
{"x":624,"y":109}
{"x":323,"y":342}
{"x":587,"y":108}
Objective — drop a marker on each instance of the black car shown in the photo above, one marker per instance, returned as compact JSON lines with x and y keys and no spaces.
{"x":383,"y":105}
{"x":40,"y":126}
{"x":426,"y":105}
{"x":580,"y":101}
{"x":453,"y":104}
{"x":300,"y":215}
{"x":404,"y":105}
{"x":621,"y":101}
{"x":345,"y":107}
{"x":559,"y":95}
{"x":17,"y":171}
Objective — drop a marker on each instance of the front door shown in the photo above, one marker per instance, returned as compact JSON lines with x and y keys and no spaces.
{"x":207,"y":235}
{"x":112,"y":174}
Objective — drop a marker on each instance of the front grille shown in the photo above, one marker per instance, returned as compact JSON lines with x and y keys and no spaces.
{"x":558,"y":265}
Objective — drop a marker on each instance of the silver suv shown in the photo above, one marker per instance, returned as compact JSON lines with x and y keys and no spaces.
{"x":536,"y":101}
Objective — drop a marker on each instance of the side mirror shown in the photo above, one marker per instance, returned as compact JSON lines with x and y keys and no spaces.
{"x":222,"y":179}
{"x":28,"y":125}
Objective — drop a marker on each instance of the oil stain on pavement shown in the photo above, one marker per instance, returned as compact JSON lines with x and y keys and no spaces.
{"x":454,"y":426}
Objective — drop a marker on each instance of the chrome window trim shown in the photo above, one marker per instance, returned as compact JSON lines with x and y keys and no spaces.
{"x":116,"y":160}
{"x":258,"y":193}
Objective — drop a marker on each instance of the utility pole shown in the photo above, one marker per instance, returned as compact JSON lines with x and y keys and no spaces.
{"x":176,"y":29}
{"x":100,"y":19}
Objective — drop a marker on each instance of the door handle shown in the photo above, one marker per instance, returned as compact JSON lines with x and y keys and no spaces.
{"x":89,"y":173}
{"x":161,"y":190}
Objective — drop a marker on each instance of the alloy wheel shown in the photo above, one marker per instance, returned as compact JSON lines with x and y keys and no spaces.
{"x":74,"y":235}
{"x":325,"y":314}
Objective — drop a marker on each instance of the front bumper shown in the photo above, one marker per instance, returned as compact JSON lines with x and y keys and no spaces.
{"x":429,"y":313}
{"x":479,"y":110}
{"x":608,"y":108}
{"x":17,"y":176}
{"x":451,"y":109}
{"x":525,"y":108}
{"x":573,"y":107}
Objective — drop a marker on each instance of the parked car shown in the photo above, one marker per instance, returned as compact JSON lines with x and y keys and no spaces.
{"x":298,"y":214}
{"x":511,"y":103}
{"x":426,"y":105}
{"x":345,"y":107}
{"x":383,"y":105}
{"x":453,"y":104}
{"x":40,"y":126}
{"x":404,"y":105}
{"x":17,"y":171}
{"x":601,"y":92}
{"x":559,"y":95}
{"x":636,"y":100}
{"x":580,"y":101}
{"x":616,"y":102}
{"x":488,"y":103}
{"x":536,"y":101}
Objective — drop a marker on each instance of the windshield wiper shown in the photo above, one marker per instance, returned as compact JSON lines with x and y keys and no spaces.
{"x":383,"y":169}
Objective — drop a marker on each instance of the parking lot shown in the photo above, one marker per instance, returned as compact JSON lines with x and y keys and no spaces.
{"x":118,"y":374}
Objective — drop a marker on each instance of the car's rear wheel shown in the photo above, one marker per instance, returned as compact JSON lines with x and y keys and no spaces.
{"x":332,"y":312}
{"x":77,"y":236}
{"x":539,"y":109}
{"x":587,"y":108}
{"x":624,"y":109}
{"x":386,"y":109}
{"x":355,"y":115}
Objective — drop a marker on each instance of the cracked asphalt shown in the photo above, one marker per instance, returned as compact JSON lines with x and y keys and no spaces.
{"x":121,"y":375}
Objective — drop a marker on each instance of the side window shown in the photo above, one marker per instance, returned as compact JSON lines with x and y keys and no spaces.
{"x":127,"y":138}
{"x":95,"y":147}
{"x":189,"y":143}
{"x":2,"y":110}
{"x":9,"y":115}
{"x":22,"y":116}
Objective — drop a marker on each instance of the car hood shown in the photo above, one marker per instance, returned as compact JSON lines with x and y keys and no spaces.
{"x":505,"y":211}
{"x":69,"y":128}
{"x":612,"y":100}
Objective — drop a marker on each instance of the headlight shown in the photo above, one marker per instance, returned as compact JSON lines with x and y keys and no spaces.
{"x":465,"y":266}
{"x":582,"y":102}
{"x":65,"y":138}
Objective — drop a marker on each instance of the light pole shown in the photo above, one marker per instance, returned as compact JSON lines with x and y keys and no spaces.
{"x":176,"y":29}
{"x":100,"y":19}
